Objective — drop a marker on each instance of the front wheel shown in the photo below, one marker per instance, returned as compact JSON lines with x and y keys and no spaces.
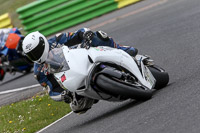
{"x":162,"y":77}
{"x":122,"y":88}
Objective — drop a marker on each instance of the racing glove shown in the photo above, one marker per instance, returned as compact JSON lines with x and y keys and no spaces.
{"x":87,"y":39}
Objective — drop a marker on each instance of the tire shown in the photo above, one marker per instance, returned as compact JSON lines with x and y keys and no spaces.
{"x":117,"y":88}
{"x":162,"y":77}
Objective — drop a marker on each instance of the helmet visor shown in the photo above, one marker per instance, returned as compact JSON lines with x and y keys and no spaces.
{"x":36,"y":53}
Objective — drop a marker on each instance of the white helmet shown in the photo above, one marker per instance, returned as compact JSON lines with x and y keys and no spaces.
{"x":36,"y":47}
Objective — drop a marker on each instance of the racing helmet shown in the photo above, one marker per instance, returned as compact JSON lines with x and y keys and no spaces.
{"x":36,"y":47}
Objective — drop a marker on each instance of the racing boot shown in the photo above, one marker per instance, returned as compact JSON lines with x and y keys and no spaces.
{"x":66,"y":96}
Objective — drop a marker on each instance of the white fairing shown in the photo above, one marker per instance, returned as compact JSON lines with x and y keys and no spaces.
{"x":80,"y":65}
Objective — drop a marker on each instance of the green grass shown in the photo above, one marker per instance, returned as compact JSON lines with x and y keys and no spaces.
{"x":31,"y":115}
{"x":10,"y":6}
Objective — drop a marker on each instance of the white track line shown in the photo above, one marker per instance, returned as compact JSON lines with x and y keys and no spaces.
{"x":19,"y":89}
{"x":54,"y":122}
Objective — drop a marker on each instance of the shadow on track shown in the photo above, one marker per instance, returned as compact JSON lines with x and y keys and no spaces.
{"x":18,"y":77}
{"x":125,"y":106}
{"x":112,"y":112}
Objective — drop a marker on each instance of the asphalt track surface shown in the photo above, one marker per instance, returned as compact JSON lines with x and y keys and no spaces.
{"x":168,"y":31}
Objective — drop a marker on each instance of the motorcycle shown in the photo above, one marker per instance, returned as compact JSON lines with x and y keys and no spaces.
{"x":105,"y":73}
{"x":11,"y":57}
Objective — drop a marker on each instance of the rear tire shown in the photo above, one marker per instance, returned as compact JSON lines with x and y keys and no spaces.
{"x":117,"y":88}
{"x":162,"y":77}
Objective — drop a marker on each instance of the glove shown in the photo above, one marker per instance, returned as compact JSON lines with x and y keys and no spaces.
{"x":67,"y":96}
{"x":88,"y":35}
{"x":87,"y":39}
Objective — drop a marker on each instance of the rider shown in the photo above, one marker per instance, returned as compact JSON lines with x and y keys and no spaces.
{"x":36,"y":47}
{"x":3,"y":37}
{"x":10,"y":49}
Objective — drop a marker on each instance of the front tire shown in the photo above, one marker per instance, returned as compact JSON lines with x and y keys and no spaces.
{"x":116,"y":88}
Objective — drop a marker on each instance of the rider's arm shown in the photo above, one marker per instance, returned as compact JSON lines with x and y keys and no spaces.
{"x":69,"y":38}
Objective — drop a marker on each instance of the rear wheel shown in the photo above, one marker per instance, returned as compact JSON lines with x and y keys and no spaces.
{"x":118,"y":87}
{"x":162,"y":77}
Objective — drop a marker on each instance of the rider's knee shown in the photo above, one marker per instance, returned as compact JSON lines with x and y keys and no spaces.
{"x":132,"y":51}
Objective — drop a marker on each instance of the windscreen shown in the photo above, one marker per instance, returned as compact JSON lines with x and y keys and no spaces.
{"x":56,"y":61}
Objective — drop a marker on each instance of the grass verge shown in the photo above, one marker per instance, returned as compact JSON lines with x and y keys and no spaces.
{"x":31,"y":115}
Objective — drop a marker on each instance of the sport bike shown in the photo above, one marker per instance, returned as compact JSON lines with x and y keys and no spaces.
{"x":105,"y":73}
{"x":11,"y":57}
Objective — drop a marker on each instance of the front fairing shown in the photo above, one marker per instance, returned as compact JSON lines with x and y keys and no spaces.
{"x":56,"y":61}
{"x":71,"y":69}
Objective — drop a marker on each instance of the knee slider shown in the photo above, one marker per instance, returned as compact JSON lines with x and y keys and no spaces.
{"x":102,"y":35}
